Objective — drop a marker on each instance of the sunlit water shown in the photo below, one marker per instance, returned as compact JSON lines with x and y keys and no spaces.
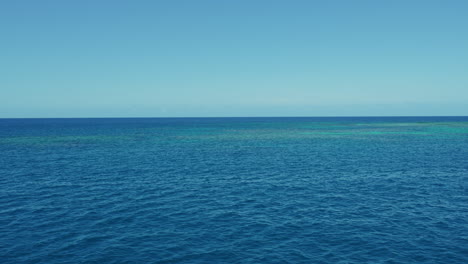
{"x":234,"y":190}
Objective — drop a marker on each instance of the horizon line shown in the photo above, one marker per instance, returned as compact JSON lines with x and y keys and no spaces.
{"x":180,"y":117}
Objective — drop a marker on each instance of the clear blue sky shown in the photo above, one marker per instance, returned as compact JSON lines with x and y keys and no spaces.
{"x":168,"y":58}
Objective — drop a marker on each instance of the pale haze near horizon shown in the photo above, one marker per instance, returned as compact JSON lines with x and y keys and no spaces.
{"x":233,"y":58}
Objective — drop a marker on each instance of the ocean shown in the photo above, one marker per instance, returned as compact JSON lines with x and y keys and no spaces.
{"x":234,"y":190}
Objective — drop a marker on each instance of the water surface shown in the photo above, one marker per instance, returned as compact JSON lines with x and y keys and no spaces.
{"x":234,"y":190}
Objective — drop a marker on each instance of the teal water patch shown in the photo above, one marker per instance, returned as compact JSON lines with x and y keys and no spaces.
{"x":366,"y":133}
{"x":58,"y":140}
{"x":450,"y":129}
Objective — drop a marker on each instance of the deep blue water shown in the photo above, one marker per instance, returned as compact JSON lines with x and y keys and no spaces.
{"x":234,"y":190}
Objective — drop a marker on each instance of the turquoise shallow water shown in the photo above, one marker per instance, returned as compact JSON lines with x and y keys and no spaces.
{"x":234,"y":190}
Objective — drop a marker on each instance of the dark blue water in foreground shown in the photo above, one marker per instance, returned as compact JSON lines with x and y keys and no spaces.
{"x":234,"y":190}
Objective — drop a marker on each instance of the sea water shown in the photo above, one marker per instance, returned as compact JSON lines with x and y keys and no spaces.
{"x":234,"y":190}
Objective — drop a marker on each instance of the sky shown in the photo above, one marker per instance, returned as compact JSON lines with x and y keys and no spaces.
{"x":184,"y":58}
